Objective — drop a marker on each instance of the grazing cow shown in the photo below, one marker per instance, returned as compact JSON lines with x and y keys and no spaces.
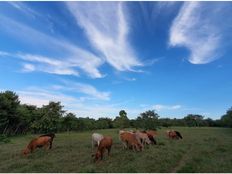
{"x":151,"y":134}
{"x":178,"y":134}
{"x":129,"y":140}
{"x":96,"y":138}
{"x":105,"y":143}
{"x":173,"y":134}
{"x":37,"y":143}
{"x":142,"y":137}
{"x":52,"y":135}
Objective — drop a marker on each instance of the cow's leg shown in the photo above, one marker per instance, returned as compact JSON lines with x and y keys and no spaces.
{"x":136,"y":147}
{"x":133,"y":147}
{"x":32,"y":149}
{"x":109,"y":148}
{"x":46,"y":146}
{"x":50,"y":144}
{"x":124,"y":145}
{"x":154,"y":141}
{"x":102,"y":152}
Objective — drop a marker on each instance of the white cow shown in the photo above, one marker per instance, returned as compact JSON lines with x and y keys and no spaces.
{"x":96,"y":138}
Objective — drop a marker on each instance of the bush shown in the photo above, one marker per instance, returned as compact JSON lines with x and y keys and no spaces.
{"x":4,"y":139}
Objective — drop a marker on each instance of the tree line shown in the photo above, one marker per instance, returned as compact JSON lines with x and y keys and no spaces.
{"x":17,"y":118}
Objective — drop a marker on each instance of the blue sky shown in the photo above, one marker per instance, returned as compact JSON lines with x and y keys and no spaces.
{"x":100,"y":57}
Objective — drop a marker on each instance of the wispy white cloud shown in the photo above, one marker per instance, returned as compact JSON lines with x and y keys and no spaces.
{"x":201,"y":27}
{"x":70,"y":55}
{"x":21,"y":6}
{"x":78,"y":105}
{"x":130,"y":79}
{"x":39,"y":97}
{"x":107,"y":29}
{"x":3,"y":53}
{"x":49,"y":65}
{"x":43,"y":64}
{"x":42,"y":95}
{"x":160,"y":107}
{"x":85,"y":89}
{"x":28,"y":67}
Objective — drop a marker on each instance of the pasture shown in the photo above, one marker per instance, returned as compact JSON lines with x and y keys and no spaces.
{"x":201,"y":150}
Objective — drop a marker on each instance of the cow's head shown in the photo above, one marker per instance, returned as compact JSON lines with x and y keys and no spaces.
{"x":96,"y":156}
{"x":25,"y":151}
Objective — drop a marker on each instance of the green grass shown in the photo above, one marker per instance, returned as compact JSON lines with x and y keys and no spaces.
{"x":201,"y":150}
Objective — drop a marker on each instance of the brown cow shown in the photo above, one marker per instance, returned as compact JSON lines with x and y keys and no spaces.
{"x":52,"y":135}
{"x":37,"y":142}
{"x":105,"y":143}
{"x":173,"y":134}
{"x":151,"y":135}
{"x":129,"y":140}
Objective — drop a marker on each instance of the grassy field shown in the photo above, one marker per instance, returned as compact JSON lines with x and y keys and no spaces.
{"x":201,"y":150}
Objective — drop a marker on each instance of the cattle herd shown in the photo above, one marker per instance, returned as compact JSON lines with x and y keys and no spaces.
{"x":134,"y":140}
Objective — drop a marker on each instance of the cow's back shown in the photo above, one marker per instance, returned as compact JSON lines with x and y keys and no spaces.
{"x":97,"y":136}
{"x":106,"y":142}
{"x":42,"y":140}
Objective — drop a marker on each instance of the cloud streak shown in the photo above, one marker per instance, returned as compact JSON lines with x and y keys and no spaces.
{"x":85,"y":89}
{"x":201,"y":27}
{"x":109,"y":33}
{"x":21,"y":6}
{"x":70,"y":56}
{"x":40,"y":96}
{"x":160,"y":107}
{"x":79,"y":105}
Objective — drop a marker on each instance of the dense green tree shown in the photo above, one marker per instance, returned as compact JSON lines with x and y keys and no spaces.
{"x":148,"y":120}
{"x":50,"y":117}
{"x":27,"y":114}
{"x":9,"y":119}
{"x":165,"y":122}
{"x":122,"y":120}
{"x":194,"y":120}
{"x":104,"y":123}
{"x":16,"y":118}
{"x":226,"y":120}
{"x":69,"y":122}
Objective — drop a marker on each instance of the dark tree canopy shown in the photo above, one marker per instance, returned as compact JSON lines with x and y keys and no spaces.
{"x":226,"y":119}
{"x":148,"y":120}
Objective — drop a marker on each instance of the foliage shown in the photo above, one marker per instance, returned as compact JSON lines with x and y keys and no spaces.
{"x":69,"y":122}
{"x":193,"y":120}
{"x":16,"y":118}
{"x":148,"y":120}
{"x":226,"y":119}
{"x":9,"y":118}
{"x":4,"y":139}
{"x":122,"y":120}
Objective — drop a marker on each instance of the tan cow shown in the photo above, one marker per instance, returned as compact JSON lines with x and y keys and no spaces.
{"x":129,"y":140}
